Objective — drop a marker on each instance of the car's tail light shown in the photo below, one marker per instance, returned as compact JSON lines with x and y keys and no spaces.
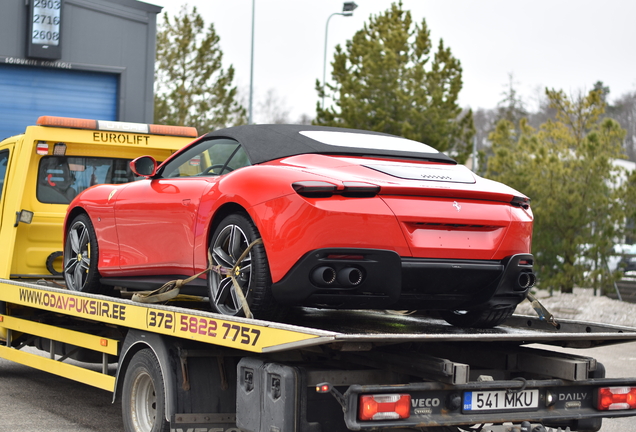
{"x":522,"y":202}
{"x":385,"y":407}
{"x":314,"y":189}
{"x":616,"y":398}
{"x":322,"y":189}
{"x":360,"y":190}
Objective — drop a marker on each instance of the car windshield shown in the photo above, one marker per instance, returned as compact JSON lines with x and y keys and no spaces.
{"x":212,"y":157}
{"x":61,"y":178}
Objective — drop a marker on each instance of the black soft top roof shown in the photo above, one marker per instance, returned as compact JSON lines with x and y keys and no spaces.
{"x":269,"y":142}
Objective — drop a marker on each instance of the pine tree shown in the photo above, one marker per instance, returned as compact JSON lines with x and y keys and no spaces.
{"x":191,"y":86}
{"x":578,"y":198}
{"x":386,"y":81}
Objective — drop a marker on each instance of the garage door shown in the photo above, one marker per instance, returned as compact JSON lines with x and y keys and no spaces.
{"x":27,"y":93}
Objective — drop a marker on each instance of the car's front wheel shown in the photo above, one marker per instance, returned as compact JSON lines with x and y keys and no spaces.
{"x":479,"y":318}
{"x":81,"y":254}
{"x":230,"y":240}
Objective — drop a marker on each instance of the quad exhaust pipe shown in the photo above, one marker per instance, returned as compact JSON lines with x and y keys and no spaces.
{"x":346,"y":277}
{"x":526,"y":280}
{"x":349,"y":277}
{"x":323,"y":276}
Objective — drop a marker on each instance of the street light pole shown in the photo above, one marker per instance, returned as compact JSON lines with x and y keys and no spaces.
{"x":249,"y":115}
{"x":347,"y":10}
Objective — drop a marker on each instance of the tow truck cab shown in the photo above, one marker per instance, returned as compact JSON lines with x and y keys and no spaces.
{"x":44,"y":168}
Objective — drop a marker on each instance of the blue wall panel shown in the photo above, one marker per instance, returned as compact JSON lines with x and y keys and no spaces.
{"x":29,"y":92}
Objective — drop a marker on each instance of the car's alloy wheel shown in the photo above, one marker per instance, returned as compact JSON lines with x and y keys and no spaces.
{"x":80,"y":257}
{"x":228,"y":246}
{"x":231,"y":238}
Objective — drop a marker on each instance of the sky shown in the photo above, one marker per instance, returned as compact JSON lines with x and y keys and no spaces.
{"x":561,"y":44}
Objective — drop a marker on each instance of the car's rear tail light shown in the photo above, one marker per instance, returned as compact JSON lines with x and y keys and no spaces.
{"x":321,"y":189}
{"x":522,"y":202}
{"x":314,"y":189}
{"x":616,"y":398}
{"x":385,"y":407}
{"x":360,"y":190}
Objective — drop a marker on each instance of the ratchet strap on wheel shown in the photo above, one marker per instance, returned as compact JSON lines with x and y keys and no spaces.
{"x":171,"y":289}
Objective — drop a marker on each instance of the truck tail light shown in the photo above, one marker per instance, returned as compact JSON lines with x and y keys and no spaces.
{"x":42,"y":148}
{"x":385,"y":407}
{"x":616,"y":398}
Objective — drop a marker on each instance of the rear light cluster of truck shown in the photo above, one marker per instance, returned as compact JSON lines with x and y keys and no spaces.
{"x":398,"y":406}
{"x":616,"y":398}
{"x":385,"y":407}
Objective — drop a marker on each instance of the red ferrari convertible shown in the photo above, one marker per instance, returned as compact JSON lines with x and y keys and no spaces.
{"x":346,"y":219}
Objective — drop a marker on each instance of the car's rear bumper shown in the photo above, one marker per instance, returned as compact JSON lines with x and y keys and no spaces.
{"x":381,"y":279}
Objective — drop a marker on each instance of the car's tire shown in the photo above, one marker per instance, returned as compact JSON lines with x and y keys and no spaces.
{"x":479,"y":318}
{"x":143,"y":395}
{"x":81,"y":254}
{"x":231,"y":237}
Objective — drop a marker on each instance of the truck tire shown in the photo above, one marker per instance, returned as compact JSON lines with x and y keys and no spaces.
{"x":232,"y":236}
{"x":143,"y":395}
{"x":81,"y":254}
{"x":480,"y":318}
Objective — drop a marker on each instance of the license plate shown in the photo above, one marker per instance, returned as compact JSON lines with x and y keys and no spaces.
{"x":500,"y":400}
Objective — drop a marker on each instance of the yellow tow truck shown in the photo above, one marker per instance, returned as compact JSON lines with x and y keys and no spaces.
{"x":44,"y":168}
{"x":180,"y":367}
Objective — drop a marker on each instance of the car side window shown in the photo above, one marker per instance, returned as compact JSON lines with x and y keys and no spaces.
{"x":4,"y":162}
{"x":208,"y":158}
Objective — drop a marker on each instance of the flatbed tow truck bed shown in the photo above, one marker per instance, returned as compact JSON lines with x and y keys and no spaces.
{"x":320,"y":370}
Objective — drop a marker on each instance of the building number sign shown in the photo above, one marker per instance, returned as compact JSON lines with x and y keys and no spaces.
{"x":44,"y":29}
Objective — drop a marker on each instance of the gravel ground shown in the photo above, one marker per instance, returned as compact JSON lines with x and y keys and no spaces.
{"x":583,"y":305}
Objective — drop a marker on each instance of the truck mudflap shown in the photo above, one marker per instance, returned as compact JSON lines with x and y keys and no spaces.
{"x":552,"y":403}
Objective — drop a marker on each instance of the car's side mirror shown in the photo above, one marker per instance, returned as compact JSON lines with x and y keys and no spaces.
{"x":144,"y":166}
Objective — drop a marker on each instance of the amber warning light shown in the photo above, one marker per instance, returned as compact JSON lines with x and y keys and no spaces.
{"x":116,"y":126}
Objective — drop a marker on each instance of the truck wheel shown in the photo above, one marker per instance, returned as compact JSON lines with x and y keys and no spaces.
{"x":230,"y":239}
{"x":81,"y":254}
{"x":143,"y":395}
{"x":480,"y":318}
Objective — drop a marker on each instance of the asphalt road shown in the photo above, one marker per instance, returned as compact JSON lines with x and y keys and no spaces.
{"x":34,"y":401}
{"x":619,"y":361}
